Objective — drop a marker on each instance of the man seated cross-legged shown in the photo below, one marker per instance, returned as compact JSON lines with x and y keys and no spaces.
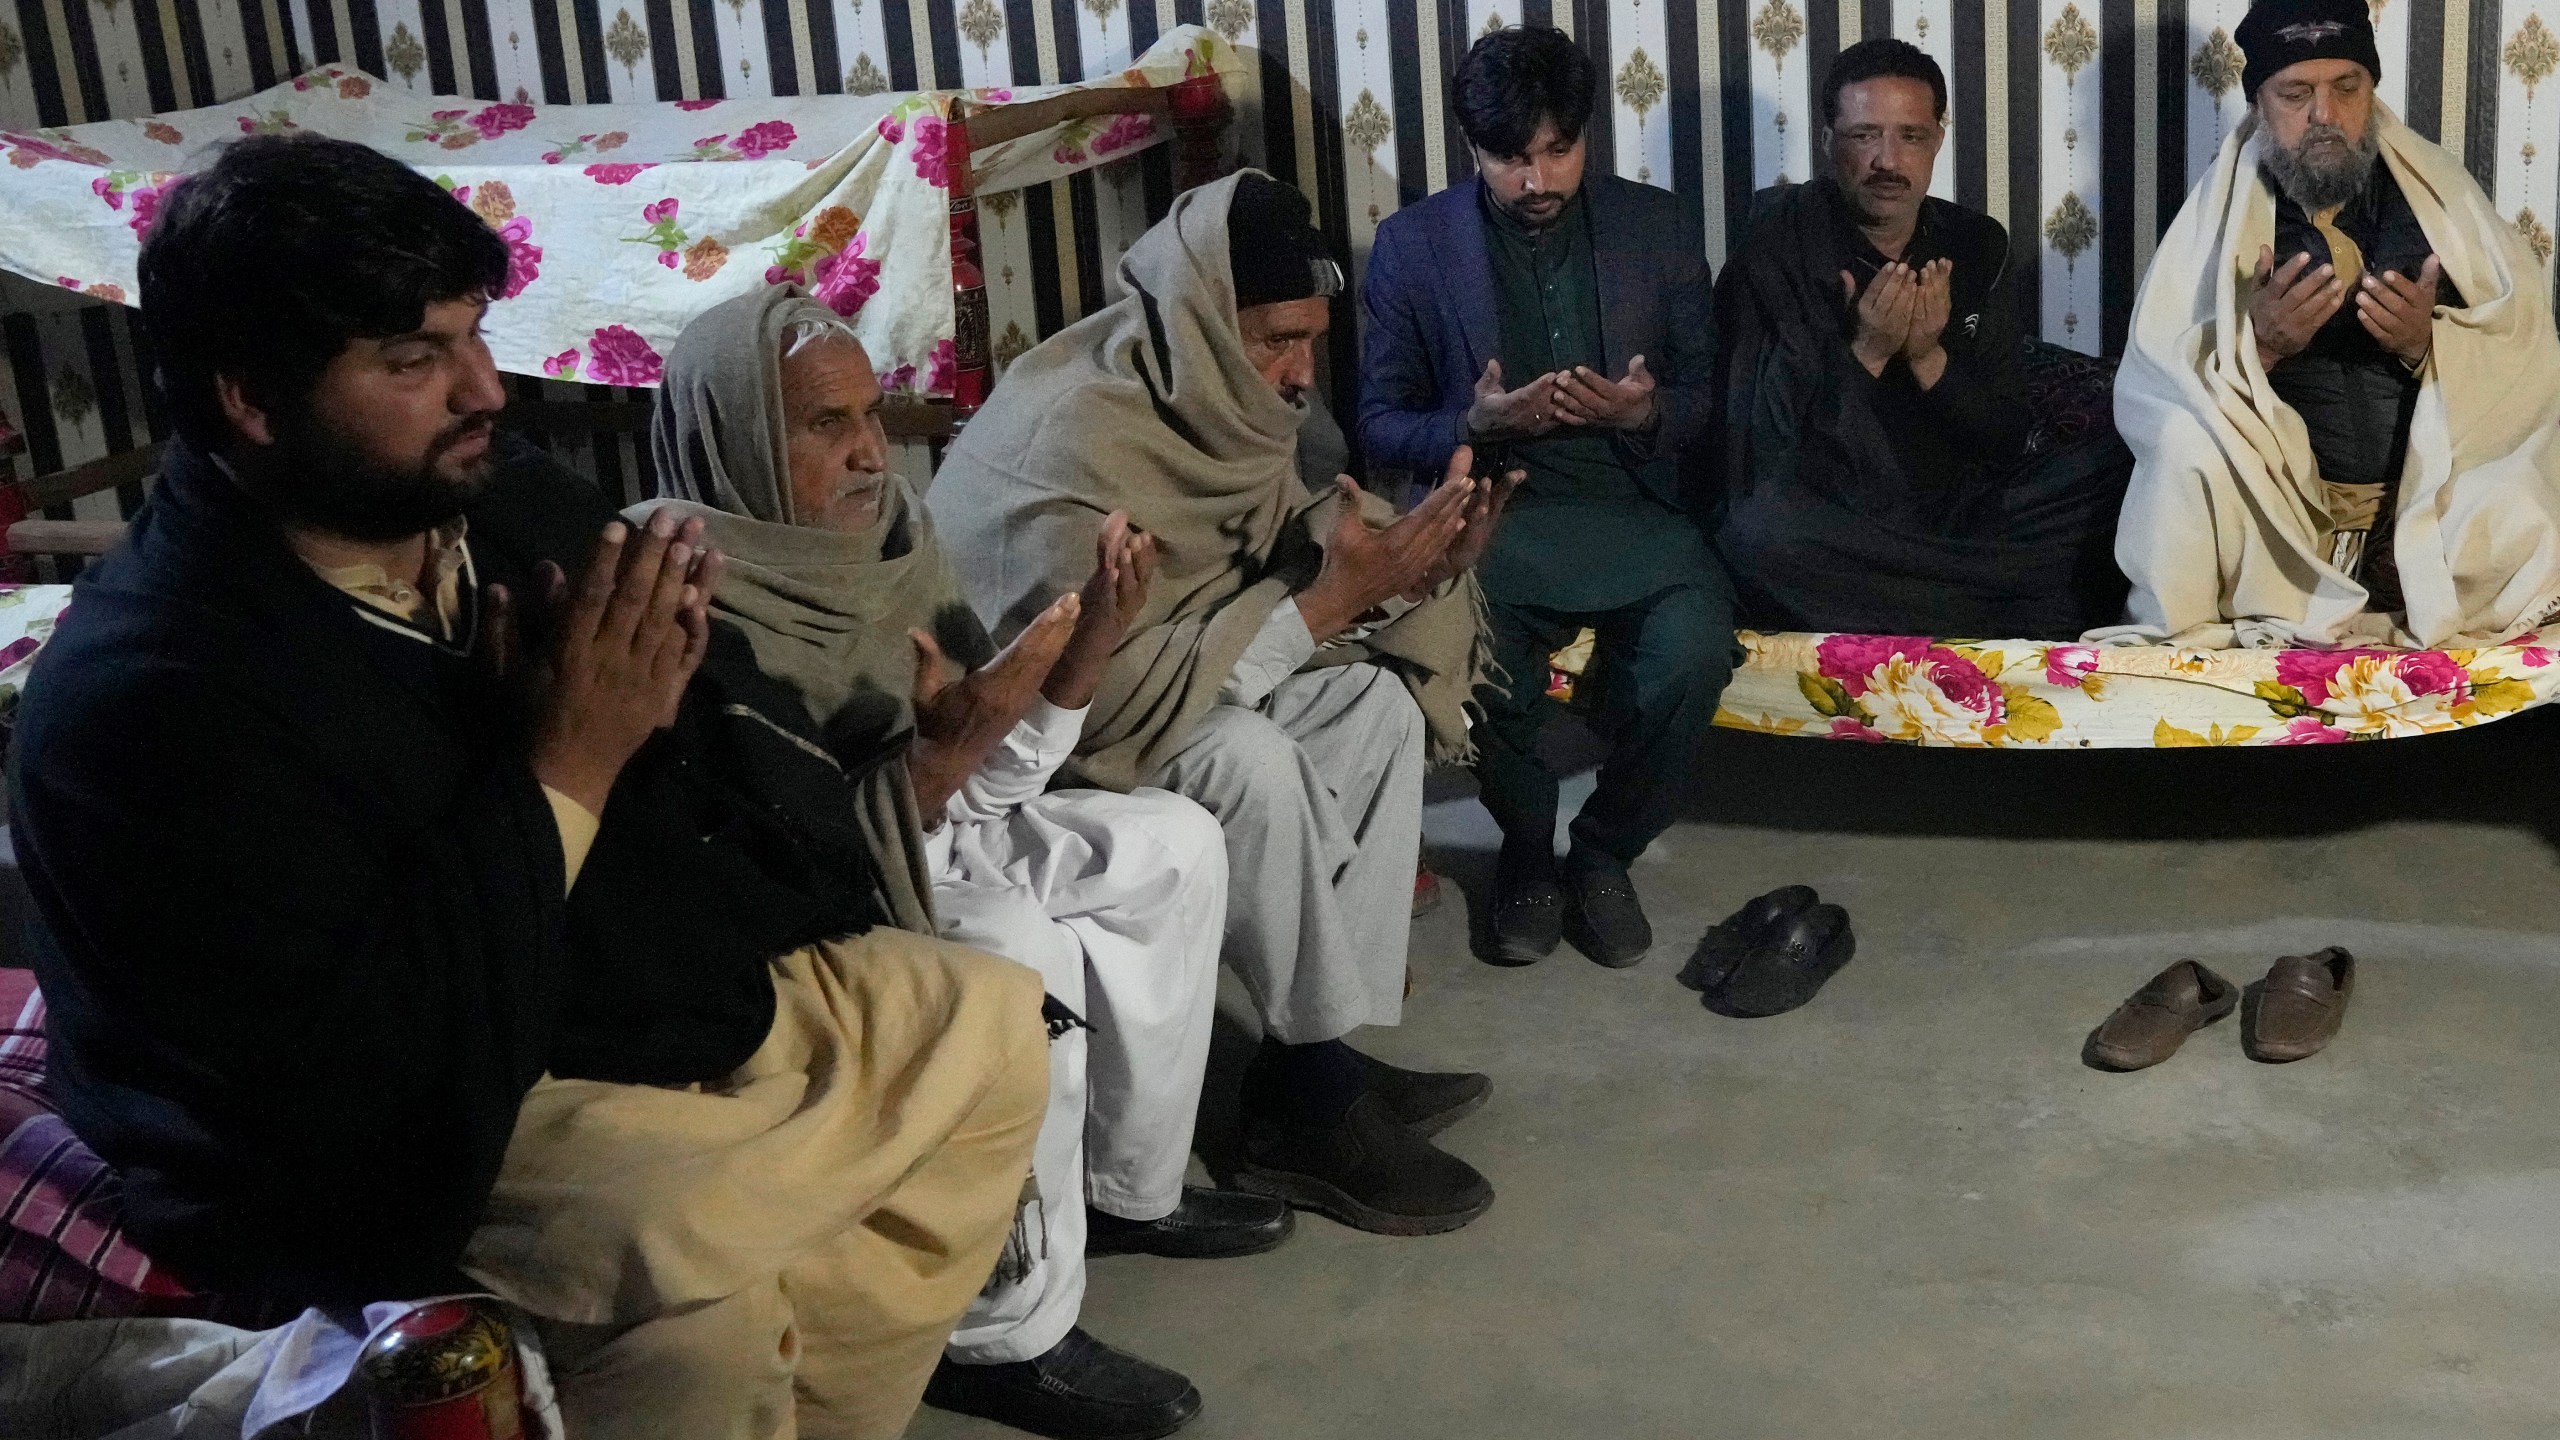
{"x":1875,"y":422}
{"x":768,"y":435}
{"x":2341,"y":385}
{"x":406,"y":936}
{"x":1286,"y":670}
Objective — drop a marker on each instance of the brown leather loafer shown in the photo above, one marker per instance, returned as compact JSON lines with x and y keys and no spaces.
{"x":2155,"y":1020}
{"x":2300,"y":1006}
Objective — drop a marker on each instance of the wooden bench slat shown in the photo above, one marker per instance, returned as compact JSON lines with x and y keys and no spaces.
{"x":65,"y":537}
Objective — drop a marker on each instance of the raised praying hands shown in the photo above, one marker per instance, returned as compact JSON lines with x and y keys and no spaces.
{"x":1584,"y":396}
{"x":1904,"y":312}
{"x":961,"y":719}
{"x":1483,"y":516}
{"x":1366,"y":565}
{"x":1527,"y":411}
{"x":625,"y":645}
{"x":2288,"y":305}
{"x":2400,"y":313}
{"x":1124,"y":567}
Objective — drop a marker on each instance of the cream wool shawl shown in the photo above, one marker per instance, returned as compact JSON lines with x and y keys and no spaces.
{"x":2225,"y":534}
{"x":1150,"y":405}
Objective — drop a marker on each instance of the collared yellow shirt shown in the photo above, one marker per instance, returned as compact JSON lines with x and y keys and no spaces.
{"x":438,"y":605}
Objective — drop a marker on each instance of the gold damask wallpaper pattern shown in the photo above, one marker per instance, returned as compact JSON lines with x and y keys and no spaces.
{"x":2078,"y":123}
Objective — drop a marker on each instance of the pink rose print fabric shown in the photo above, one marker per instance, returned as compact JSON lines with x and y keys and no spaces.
{"x":932,"y":151}
{"x":1916,"y":690}
{"x":846,"y":279}
{"x":524,"y":258}
{"x":500,"y":120}
{"x":618,"y":356}
{"x":620,"y":221}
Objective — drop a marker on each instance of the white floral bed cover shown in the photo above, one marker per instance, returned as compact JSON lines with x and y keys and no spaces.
{"x":625,"y":221}
{"x":1977,"y":694}
{"x":2036,"y":694}
{"x":27,"y":615}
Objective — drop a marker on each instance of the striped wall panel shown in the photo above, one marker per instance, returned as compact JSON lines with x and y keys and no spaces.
{"x":2078,"y":123}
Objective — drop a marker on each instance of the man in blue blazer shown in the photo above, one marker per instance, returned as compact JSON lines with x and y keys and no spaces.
{"x":1562,"y":325}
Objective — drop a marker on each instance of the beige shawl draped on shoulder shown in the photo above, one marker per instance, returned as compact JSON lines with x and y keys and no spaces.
{"x":1150,"y":405}
{"x":825,"y":613}
{"x":2225,"y":530}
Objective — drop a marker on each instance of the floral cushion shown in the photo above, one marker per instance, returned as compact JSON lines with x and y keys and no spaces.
{"x":1920,"y":691}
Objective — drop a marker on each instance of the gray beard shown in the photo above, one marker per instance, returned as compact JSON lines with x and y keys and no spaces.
{"x":2319,"y":185}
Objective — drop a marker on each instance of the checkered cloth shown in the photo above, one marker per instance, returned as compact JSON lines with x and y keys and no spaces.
{"x":63,"y":1252}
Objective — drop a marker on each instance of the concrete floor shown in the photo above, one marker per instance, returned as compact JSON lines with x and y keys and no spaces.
{"x":1908,"y":1211}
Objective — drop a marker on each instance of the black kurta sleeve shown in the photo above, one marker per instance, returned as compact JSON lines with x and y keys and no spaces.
{"x":1980,"y":400}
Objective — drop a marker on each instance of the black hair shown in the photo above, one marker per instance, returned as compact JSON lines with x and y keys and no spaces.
{"x":1518,"y":76}
{"x":1877,"y":60}
{"x":266,"y":263}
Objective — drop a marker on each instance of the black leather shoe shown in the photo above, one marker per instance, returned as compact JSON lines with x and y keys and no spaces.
{"x":1528,"y":922}
{"x":1081,"y":1390}
{"x":1743,"y":931}
{"x":1207,"y":1225}
{"x":1603,"y":917}
{"x":1369,"y":1172}
{"x":1426,"y":1101}
{"x":1806,"y":950}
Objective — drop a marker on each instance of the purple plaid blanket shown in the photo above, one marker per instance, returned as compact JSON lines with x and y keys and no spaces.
{"x":63,"y":1254}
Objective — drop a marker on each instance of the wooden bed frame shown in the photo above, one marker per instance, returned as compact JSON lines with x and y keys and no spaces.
{"x":1197,"y":109}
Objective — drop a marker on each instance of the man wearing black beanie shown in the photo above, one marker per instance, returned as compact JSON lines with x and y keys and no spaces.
{"x":1301,"y":657}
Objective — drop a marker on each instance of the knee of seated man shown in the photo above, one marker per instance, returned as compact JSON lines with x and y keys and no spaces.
{"x":984,"y":997}
{"x":1694,"y":623}
{"x":1009,"y":923}
{"x":1386,"y":703}
{"x":1234,"y":754}
{"x":1187,"y":831}
{"x":1013,"y":1027}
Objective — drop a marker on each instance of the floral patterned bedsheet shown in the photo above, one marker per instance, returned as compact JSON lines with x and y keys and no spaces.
{"x":1965,"y":693}
{"x":624,"y":221}
{"x":27,"y":616}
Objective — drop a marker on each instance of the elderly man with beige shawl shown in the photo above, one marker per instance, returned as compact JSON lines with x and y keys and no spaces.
{"x":2342,"y":386}
{"x":1275,"y":676}
{"x":767,"y":434}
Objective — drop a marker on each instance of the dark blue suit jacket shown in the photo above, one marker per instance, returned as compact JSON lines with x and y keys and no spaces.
{"x":1429,"y":300}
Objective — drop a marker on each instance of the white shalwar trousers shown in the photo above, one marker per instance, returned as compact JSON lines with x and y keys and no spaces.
{"x":1119,"y":901}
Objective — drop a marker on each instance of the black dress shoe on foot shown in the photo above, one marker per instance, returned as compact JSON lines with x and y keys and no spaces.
{"x":1207,"y":1225}
{"x":1528,"y":922}
{"x":1743,"y":931}
{"x":1426,"y":1101}
{"x":1370,"y":1172}
{"x":1603,"y":918}
{"x":1081,"y":1390}
{"x":1789,"y":967}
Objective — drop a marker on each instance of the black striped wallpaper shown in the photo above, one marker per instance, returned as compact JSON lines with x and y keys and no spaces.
{"x":2078,"y":123}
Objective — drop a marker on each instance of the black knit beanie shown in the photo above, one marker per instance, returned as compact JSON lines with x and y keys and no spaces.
{"x":2279,"y":33}
{"x":1274,"y":251}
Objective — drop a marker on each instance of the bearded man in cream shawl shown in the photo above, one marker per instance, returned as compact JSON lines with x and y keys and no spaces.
{"x":1298,"y":658}
{"x":2342,"y":387}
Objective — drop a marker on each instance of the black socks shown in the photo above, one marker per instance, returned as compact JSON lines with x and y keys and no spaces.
{"x":1525,"y":862}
